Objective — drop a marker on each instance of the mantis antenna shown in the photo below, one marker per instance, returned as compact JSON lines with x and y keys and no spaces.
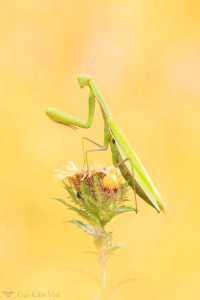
{"x":76,"y":60}
{"x":90,"y":64}
{"x":93,"y":60}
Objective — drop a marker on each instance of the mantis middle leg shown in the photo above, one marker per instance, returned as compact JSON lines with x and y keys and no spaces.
{"x":103,"y":147}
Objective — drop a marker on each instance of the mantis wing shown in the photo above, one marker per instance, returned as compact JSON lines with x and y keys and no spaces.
{"x":126,"y":170}
{"x":140,"y":174}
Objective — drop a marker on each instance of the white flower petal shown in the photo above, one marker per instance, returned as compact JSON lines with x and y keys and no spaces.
{"x":60,"y":176}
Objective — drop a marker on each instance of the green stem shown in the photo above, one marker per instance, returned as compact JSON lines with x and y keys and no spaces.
{"x":101,"y":245}
{"x":102,"y":263}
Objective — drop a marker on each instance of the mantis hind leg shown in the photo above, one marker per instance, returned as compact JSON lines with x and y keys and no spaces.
{"x":85,"y":152}
{"x":122,"y":162}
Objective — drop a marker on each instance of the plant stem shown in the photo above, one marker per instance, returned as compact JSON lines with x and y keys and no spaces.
{"x":102,"y":263}
{"x":101,"y":244}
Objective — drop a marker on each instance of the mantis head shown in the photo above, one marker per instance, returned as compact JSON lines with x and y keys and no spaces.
{"x":83,"y":80}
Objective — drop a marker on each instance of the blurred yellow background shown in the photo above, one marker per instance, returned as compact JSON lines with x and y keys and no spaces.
{"x":148,"y":69}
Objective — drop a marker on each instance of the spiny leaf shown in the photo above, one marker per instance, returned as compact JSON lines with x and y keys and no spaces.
{"x":63,"y":202}
{"x":86,"y":195}
{"x":123,"y":209}
{"x":111,"y":250}
{"x":83,"y":226}
{"x":120,"y":283}
{"x":72,"y":194}
{"x":93,"y":219}
{"x":97,"y":190}
{"x":68,"y":188}
{"x":82,"y":213}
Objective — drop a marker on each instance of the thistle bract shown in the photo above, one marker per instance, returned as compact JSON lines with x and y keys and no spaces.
{"x":96,"y":195}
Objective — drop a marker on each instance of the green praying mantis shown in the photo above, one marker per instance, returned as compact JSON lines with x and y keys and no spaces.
{"x":123,"y":154}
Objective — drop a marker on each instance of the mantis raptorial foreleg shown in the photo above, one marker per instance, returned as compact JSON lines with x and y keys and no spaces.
{"x":73,"y":122}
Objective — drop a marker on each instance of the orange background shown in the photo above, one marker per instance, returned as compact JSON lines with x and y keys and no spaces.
{"x":148,"y":69}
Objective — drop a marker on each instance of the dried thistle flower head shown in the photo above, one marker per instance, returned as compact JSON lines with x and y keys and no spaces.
{"x":97,"y":195}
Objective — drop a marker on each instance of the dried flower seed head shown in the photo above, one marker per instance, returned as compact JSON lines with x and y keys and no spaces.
{"x":97,"y":195}
{"x":76,"y":179}
{"x":70,"y":169}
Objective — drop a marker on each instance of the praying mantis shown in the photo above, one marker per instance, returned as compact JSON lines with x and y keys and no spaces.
{"x":123,"y":154}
